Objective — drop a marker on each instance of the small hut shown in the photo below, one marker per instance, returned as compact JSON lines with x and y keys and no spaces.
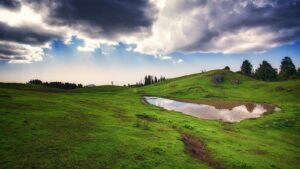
{"x":218,"y":79}
{"x":90,"y":85}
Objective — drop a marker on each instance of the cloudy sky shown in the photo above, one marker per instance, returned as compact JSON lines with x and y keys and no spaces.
{"x":99,"y":41}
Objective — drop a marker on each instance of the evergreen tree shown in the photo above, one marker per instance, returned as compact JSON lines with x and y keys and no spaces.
{"x":152,"y":81}
{"x":266,"y":72}
{"x":287,"y":68}
{"x":146,"y":80}
{"x":36,"y":82}
{"x":226,"y":68}
{"x":149,"y":79}
{"x":246,"y":68}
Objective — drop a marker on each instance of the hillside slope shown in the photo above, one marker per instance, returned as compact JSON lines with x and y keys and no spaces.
{"x":112,"y":127}
{"x":268,"y":130}
{"x":102,"y":127}
{"x":200,"y":86}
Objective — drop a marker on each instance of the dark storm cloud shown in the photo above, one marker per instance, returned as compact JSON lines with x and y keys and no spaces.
{"x":10,"y":58}
{"x":17,"y":43}
{"x":12,"y":52}
{"x":228,"y":17}
{"x":25,"y":34}
{"x":10,"y":4}
{"x":276,"y":15}
{"x":181,"y":25}
{"x":6,"y":49}
{"x":108,"y":18}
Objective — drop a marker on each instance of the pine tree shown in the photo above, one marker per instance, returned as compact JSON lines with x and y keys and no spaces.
{"x":36,"y":82}
{"x":287,"y":68}
{"x":226,"y":68}
{"x":266,"y":72}
{"x":246,"y":68}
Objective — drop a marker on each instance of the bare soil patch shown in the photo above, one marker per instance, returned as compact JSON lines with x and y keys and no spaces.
{"x":146,"y":117}
{"x":257,"y":151}
{"x":139,"y":157}
{"x":197,"y":149}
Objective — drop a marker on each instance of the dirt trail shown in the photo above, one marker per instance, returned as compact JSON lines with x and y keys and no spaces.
{"x":197,"y":149}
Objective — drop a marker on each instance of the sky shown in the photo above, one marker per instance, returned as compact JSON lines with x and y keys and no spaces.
{"x":96,"y":42}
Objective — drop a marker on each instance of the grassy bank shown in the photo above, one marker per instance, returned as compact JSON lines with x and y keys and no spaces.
{"x":111,"y":127}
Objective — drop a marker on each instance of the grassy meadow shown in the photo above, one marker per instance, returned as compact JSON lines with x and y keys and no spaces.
{"x":113,"y":127}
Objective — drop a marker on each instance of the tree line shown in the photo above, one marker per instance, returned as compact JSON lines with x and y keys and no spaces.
{"x":266,"y":72}
{"x":148,"y":80}
{"x":59,"y":85}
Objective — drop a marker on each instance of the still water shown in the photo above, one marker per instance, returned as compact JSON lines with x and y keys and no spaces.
{"x":235,"y":114}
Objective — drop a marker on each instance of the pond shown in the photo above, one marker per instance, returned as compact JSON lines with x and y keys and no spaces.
{"x":234,"y":113}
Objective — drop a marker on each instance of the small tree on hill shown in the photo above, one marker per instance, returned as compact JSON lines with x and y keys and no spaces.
{"x":246,"y":68}
{"x":266,"y":72}
{"x":36,"y":82}
{"x":287,"y":68}
{"x":226,"y":68}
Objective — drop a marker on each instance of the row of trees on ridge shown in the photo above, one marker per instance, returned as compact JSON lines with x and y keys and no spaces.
{"x":59,"y":85}
{"x":148,"y":80}
{"x":266,"y":72}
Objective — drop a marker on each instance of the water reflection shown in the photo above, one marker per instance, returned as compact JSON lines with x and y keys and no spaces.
{"x":235,"y":114}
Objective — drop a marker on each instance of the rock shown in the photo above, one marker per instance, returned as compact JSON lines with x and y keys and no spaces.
{"x":236,"y":82}
{"x":277,"y":109}
{"x":279,"y":88}
{"x":218,"y":79}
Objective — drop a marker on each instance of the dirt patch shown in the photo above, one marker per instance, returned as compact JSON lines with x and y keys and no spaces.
{"x":221,"y":104}
{"x":139,"y":158}
{"x":195,"y":89}
{"x":279,"y":88}
{"x":209,"y":95}
{"x":146,"y":117}
{"x":197,"y":149}
{"x":144,"y":100}
{"x":122,"y":116}
{"x":257,"y":151}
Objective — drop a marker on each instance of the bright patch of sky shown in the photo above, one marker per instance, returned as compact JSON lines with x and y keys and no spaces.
{"x":63,"y":62}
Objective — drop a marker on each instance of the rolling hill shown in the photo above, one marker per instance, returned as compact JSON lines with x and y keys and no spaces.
{"x":112,"y":127}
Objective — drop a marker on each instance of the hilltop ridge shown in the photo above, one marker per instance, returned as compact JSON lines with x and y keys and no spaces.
{"x":200,"y":86}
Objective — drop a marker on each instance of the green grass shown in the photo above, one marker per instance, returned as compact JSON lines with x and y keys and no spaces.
{"x":112,"y":127}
